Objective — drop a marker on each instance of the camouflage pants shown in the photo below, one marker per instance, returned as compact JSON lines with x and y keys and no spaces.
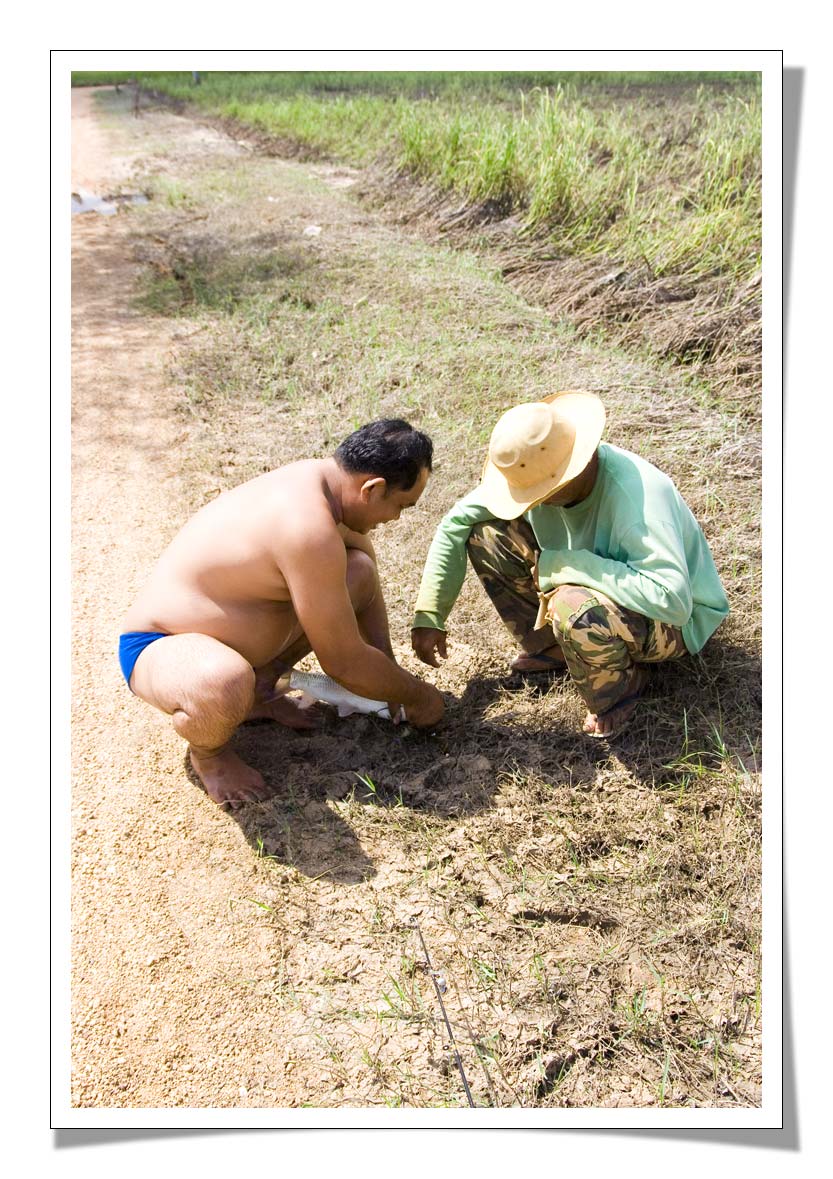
{"x":601,"y":641}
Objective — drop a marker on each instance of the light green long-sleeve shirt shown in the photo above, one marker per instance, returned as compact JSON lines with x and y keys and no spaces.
{"x":634,"y":539}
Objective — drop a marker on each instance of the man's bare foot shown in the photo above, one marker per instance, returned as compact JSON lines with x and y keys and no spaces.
{"x":286,"y":711}
{"x":613,"y":720}
{"x":550,"y":660}
{"x":228,"y":780}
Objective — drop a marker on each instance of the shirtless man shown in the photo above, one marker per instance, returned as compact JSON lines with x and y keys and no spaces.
{"x":264,"y":574}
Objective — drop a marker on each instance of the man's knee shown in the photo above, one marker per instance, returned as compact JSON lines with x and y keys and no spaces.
{"x":506,"y":546}
{"x":484,"y":535}
{"x":568,"y":603}
{"x":362,"y":579}
{"x":488,"y":536}
{"x":223,"y":683}
{"x":596,"y":629}
{"x":575,"y":612}
{"x":205,"y":687}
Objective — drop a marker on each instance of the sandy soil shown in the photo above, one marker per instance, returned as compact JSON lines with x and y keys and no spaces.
{"x":180,"y":938}
{"x":153,"y":939}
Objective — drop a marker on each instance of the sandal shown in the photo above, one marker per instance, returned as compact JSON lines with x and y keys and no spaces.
{"x":522,"y":664}
{"x":631,"y":699}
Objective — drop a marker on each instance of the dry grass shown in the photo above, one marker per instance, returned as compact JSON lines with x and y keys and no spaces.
{"x":594,"y":909}
{"x":624,"y":209}
{"x":707,"y":322}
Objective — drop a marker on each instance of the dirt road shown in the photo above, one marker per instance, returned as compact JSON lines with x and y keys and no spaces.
{"x":201,"y":975}
{"x":158,"y":954}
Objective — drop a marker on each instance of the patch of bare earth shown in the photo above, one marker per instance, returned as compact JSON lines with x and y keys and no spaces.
{"x":593,"y":912}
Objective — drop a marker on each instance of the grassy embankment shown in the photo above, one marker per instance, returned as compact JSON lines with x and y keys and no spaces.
{"x":592,"y":171}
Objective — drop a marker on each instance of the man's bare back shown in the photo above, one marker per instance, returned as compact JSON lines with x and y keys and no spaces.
{"x":268,"y":571}
{"x":221,"y":574}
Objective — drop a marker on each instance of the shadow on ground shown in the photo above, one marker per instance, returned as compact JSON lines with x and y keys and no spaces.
{"x":695,"y":717}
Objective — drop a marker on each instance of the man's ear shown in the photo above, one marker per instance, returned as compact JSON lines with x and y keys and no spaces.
{"x":368,"y":491}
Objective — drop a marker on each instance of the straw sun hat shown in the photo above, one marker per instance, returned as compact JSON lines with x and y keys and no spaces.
{"x":538,"y":447}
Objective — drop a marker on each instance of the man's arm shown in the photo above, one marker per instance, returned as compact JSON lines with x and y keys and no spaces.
{"x":374,"y":625}
{"x":443,"y":577}
{"x":314,"y":565}
{"x":653,"y":579}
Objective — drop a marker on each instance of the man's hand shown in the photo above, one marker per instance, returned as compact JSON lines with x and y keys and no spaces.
{"x":428,"y":710}
{"x":427,"y":643}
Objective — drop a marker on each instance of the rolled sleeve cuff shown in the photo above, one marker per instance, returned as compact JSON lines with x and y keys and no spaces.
{"x":430,"y":621}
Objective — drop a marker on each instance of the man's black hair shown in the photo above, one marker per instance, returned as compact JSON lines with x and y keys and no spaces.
{"x":389,"y":448}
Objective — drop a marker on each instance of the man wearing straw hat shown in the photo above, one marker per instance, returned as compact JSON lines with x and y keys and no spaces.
{"x":589,"y":553}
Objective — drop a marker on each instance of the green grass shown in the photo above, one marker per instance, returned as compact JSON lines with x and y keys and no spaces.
{"x":506,"y":84}
{"x":673,"y":183}
{"x":402,"y":333}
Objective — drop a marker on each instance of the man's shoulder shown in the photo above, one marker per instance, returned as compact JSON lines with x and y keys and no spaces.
{"x":637,"y":492}
{"x":623,"y":465}
{"x":302,"y":471}
{"x":292,"y":501}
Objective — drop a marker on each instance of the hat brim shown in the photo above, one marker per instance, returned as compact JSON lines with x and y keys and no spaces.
{"x":586,"y":413}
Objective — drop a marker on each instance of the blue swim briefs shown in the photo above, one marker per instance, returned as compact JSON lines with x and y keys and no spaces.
{"x":131,"y":646}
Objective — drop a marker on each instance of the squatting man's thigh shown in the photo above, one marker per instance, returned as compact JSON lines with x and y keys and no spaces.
{"x":189,"y":672}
